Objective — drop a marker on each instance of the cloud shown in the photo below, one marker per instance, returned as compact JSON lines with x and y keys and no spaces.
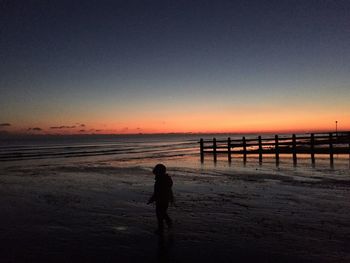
{"x":82,"y":125}
{"x":34,"y":129}
{"x":62,"y":127}
{"x":125,"y":129}
{"x":94,"y":130}
{"x":81,"y":130}
{"x":4,"y":132}
{"x":5,"y":124}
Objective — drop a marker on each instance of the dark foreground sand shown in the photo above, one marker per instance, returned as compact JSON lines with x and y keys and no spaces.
{"x":84,"y":213}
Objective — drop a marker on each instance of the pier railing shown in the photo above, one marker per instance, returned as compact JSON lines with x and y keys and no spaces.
{"x":315,"y":143}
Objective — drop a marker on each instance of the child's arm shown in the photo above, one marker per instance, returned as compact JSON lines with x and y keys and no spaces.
{"x":153,"y":197}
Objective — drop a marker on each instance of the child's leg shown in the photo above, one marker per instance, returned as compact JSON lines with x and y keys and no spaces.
{"x":160,"y":212}
{"x":168,"y":220}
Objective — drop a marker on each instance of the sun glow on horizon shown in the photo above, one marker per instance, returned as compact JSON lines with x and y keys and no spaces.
{"x":220,"y":121}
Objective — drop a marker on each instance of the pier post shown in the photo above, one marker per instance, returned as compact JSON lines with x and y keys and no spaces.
{"x":244,"y":150}
{"x":214,"y":149}
{"x":349,"y":143}
{"x":331,"y":149}
{"x":260,"y":150}
{"x":201,"y":143}
{"x":294,"y":149}
{"x":312,"y":148}
{"x":229,"y":149}
{"x":277,"y":150}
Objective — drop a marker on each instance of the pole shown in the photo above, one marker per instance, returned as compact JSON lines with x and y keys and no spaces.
{"x":294,"y":149}
{"x":260,"y":150}
{"x":277,"y":151}
{"x":214,"y":149}
{"x":312,"y":149}
{"x":202,"y":150}
{"x":229,"y":149}
{"x":245,"y":150}
{"x":331,"y":149}
{"x":336,"y":128}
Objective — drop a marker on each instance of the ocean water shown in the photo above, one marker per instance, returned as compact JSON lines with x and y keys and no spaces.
{"x":176,"y":151}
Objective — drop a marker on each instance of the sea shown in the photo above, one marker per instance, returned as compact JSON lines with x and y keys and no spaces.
{"x":176,"y":151}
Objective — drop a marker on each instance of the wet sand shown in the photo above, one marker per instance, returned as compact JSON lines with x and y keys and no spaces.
{"x":98,"y":213}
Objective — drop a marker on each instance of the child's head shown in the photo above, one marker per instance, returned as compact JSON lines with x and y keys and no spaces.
{"x":159,"y":170}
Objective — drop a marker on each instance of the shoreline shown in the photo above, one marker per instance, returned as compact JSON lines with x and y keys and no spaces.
{"x":91,"y":213}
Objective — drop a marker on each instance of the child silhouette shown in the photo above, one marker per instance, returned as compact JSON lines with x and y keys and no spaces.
{"x":162,"y":195}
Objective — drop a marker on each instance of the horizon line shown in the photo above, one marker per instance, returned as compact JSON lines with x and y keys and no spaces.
{"x":17,"y":134}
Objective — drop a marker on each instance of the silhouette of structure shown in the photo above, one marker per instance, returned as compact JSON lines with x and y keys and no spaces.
{"x":315,"y":143}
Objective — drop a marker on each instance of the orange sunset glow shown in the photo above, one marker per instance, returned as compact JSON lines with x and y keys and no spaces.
{"x":238,"y":121}
{"x":230,"y":79}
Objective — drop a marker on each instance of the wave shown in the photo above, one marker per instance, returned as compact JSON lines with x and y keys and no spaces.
{"x":128,"y":149}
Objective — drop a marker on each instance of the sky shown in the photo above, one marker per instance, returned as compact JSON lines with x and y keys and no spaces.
{"x":72,"y":67}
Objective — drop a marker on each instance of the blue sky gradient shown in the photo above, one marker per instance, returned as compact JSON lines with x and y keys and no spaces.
{"x":106,"y":63}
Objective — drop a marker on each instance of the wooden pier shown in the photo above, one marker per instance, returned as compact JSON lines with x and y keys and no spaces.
{"x":311,"y":144}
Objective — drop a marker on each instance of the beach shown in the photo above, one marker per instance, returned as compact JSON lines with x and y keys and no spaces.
{"x":96,"y":211}
{"x":246,"y":104}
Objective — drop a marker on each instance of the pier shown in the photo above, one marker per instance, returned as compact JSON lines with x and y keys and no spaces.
{"x":329,"y":143}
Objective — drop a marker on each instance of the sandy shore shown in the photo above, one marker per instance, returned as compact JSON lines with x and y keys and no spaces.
{"x":98,"y":213}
